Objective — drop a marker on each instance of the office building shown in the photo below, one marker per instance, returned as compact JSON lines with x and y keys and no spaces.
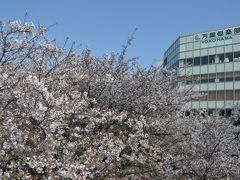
{"x":209,"y":62}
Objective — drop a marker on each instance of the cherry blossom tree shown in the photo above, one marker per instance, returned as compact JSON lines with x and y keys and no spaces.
{"x":69,"y":115}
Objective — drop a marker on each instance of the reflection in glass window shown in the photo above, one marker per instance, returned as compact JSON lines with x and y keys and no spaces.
{"x":221,"y":58}
{"x":189,"y":61}
{"x":228,"y":57}
{"x":237,"y":55}
{"x":211,"y":59}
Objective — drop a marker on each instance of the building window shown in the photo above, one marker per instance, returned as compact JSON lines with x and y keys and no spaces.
{"x":220,"y":77}
{"x":189,"y":61}
{"x":221,"y":58}
{"x":204,"y":60}
{"x":212,"y":96}
{"x":237,"y":56}
{"x":229,"y":95}
{"x":204,"y":78}
{"x":189,"y":80}
{"x":203,"y":96}
{"x":229,"y":76}
{"x":196,"y":61}
{"x":220,"y":95}
{"x":237,"y":94}
{"x":196,"y":79}
{"x":228,"y":57}
{"x":211,"y":59}
{"x":212,"y":77}
{"x":237,"y":76}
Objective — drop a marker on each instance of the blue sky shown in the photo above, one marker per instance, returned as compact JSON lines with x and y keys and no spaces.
{"x":104,"y":25}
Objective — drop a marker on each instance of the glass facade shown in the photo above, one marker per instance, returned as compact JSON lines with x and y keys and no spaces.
{"x":210,"y":63}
